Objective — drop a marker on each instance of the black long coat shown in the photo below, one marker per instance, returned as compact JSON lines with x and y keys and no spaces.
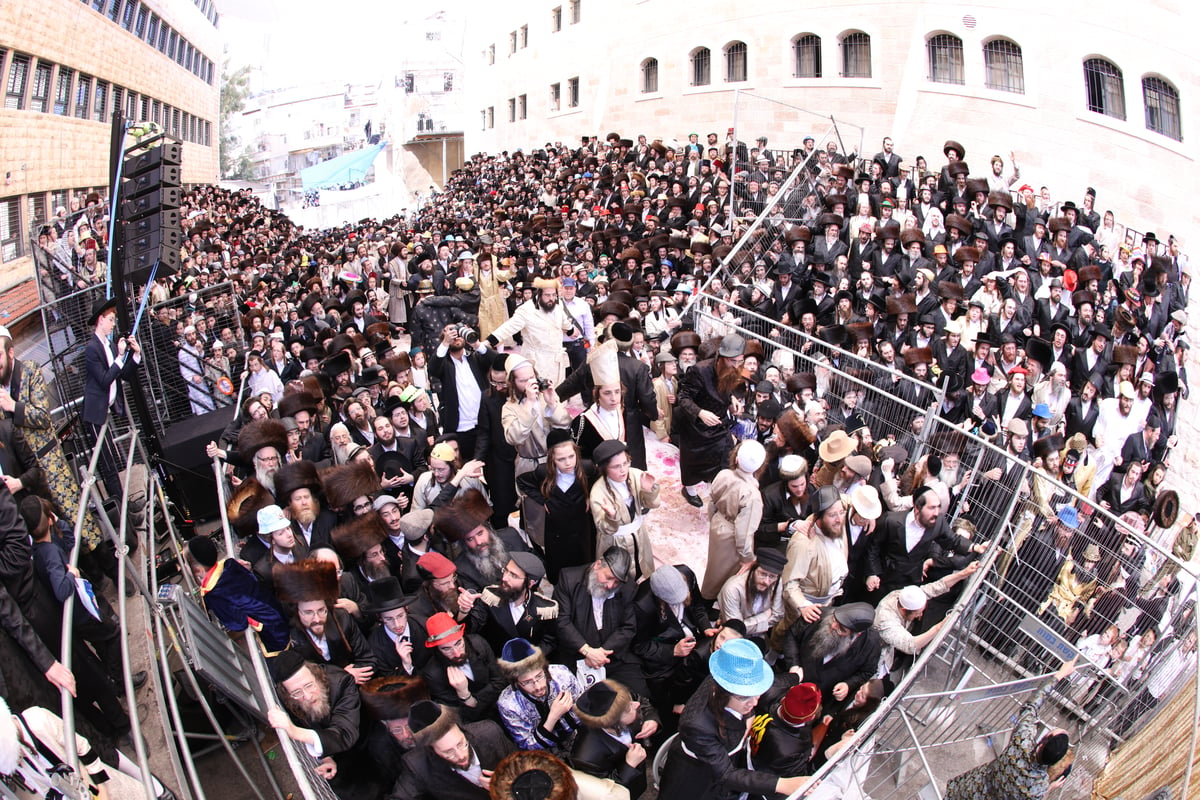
{"x":703,"y":450}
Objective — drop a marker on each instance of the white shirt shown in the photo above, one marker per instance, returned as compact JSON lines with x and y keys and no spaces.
{"x":469,"y":393}
{"x":564,"y":480}
{"x":912,"y":532}
{"x":474,"y":770}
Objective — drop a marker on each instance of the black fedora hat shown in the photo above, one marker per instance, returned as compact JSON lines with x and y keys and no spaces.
{"x":386,"y":595}
{"x":99,"y":307}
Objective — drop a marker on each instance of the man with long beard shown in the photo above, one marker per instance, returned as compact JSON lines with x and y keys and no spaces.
{"x":596,"y":618}
{"x":543,"y":324}
{"x":260,"y":447}
{"x":817,"y":561}
{"x":462,"y":672}
{"x":322,"y":713}
{"x":514,"y":609}
{"x":485,"y":551}
{"x":360,"y":544}
{"x":298,"y":489}
{"x":440,"y":591}
{"x":839,"y":651}
{"x":702,"y":416}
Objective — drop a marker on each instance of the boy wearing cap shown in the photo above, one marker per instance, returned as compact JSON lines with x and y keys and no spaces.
{"x":234,"y":596}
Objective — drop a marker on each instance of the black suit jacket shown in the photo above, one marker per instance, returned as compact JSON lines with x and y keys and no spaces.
{"x":427,"y":776}
{"x":100,"y":376}
{"x":854,"y":667}
{"x":442,"y":368}
{"x":888,"y":555}
{"x":577,"y":624}
{"x":383,"y":650}
{"x":485,"y":686}
{"x":777,"y":508}
{"x":346,"y":643}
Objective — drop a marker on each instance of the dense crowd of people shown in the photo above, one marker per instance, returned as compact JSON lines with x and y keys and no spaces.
{"x":447,"y":555}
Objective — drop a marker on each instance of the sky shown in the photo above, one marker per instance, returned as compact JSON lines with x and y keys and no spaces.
{"x":298,"y":42}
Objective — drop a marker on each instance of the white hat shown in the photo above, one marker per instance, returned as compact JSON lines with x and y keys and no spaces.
{"x":465,"y":254}
{"x":515,"y":362}
{"x":751,"y":456}
{"x":912,"y":598}
{"x":864,"y":498}
{"x":271,"y":519}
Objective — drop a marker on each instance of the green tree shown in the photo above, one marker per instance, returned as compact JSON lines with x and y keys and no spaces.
{"x":234,"y":90}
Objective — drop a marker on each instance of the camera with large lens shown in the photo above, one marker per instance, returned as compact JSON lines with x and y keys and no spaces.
{"x":543,"y":384}
{"x":468,"y":334}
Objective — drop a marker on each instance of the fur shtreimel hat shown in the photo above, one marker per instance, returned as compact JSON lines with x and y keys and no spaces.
{"x":345,"y":482}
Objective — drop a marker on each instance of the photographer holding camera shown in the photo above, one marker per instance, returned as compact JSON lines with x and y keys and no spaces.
{"x":531,"y":412}
{"x":462,"y":368}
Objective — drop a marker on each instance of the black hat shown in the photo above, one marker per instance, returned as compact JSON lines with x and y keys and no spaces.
{"x":771,"y":559}
{"x":606,"y":450}
{"x":285,"y":665}
{"x":336,"y":364}
{"x":856,"y":617}
{"x":371,"y":376}
{"x":530,"y":564}
{"x":619,"y":561}
{"x":556,"y":437}
{"x":99,"y":307}
{"x":203,"y":550}
{"x":386,"y":594}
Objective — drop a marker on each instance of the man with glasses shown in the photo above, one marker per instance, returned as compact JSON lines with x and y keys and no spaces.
{"x":322,"y":632}
{"x":536,"y":707}
{"x":321,"y":711}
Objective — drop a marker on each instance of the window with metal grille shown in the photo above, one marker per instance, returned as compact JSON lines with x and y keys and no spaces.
{"x":172,"y":42}
{"x":575,"y":11}
{"x":523,"y":107}
{"x":114,"y":10}
{"x":143,"y":16}
{"x":152,"y":31}
{"x":735,"y":63}
{"x":207,"y":133}
{"x":37,"y":208}
{"x":100,"y":103}
{"x":175,"y":122}
{"x":555,"y":96}
{"x":945,"y":59}
{"x":491,"y":117}
{"x":127,"y":18}
{"x":650,"y":76}
{"x":573,"y":93}
{"x":18,"y":80}
{"x":39,"y":99}
{"x":62,"y":92}
{"x":807,"y":52}
{"x":144,"y":109}
{"x":512,"y":109}
{"x":10,"y":229}
{"x":164,"y":36}
{"x":1162,"y":107}
{"x":1003,"y":66}
{"x":131,"y":105}
{"x":83,"y":92}
{"x":156,"y":113}
{"x":1105,"y":87}
{"x":701,"y":67}
{"x":856,"y":55}
{"x":556,"y":19}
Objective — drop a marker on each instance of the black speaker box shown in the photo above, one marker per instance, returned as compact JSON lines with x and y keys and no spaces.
{"x":194,"y":485}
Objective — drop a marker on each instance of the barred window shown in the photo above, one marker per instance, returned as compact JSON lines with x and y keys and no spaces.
{"x":114,"y":10}
{"x":856,"y":55}
{"x":18,"y":79}
{"x":100,"y":105}
{"x":555,"y":96}
{"x":807,"y":52}
{"x":62,"y":93}
{"x":10,"y":229}
{"x":37,"y":208}
{"x":1162,"y":107}
{"x":1105,"y":87}
{"x":573,"y":92}
{"x":735,"y":63}
{"x":650,"y":76}
{"x":945,"y":59}
{"x":127,"y":18}
{"x":40,"y":98}
{"x":83,"y":91}
{"x":152,"y":31}
{"x":1004,"y":66}
{"x":701,"y":67}
{"x":143,"y":16}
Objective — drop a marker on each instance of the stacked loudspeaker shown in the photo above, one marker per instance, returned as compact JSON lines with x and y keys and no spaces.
{"x":151,"y":196}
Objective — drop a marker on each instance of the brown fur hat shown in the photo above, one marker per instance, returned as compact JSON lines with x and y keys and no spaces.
{"x":354,"y":538}
{"x":393,"y":696}
{"x":244,"y":506}
{"x":462,"y":515}
{"x":602,"y":705}
{"x":430,"y":721}
{"x":306,"y":580}
{"x":258,"y":434}
{"x":796,"y":432}
{"x":533,"y":773}
{"x":296,"y":475}
{"x":345,"y":482}
{"x":519,"y":656}
{"x":682,"y":340}
{"x":294,"y":402}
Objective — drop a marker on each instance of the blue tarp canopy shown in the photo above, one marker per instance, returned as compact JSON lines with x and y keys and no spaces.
{"x":346,"y":168}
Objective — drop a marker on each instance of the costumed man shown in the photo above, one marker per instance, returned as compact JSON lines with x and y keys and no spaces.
{"x":542,"y":323}
{"x":493,"y":291}
{"x":513,"y":608}
{"x":781,"y":742}
{"x":702,"y":418}
{"x":531,"y":412}
{"x":234,"y":596}
{"x":666,"y":385}
{"x":462,"y":672}
{"x":323,"y":714}
{"x":536,"y":707}
{"x":605,"y":418}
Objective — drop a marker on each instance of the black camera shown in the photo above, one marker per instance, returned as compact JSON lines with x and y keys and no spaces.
{"x":543,"y":384}
{"x":468,"y":334}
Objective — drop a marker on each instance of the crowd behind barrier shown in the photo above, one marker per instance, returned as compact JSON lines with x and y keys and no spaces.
{"x":901,"y":395}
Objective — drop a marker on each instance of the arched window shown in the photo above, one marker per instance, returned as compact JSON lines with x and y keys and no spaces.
{"x":650,"y":76}
{"x":701,"y":67}
{"x":1162,"y":107}
{"x":945,"y":59}
{"x":856,"y":55}
{"x":1004,"y":67}
{"x":735,"y":63}
{"x":1105,"y":87}
{"x":807,"y":52}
